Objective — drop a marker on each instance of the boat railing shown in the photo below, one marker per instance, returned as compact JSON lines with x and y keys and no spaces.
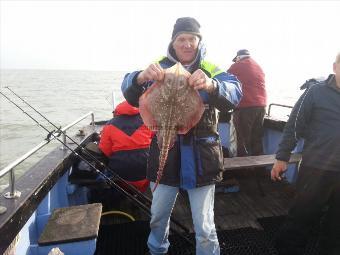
{"x":11,"y":167}
{"x":281,"y":105}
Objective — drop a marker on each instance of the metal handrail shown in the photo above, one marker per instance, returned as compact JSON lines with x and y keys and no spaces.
{"x":282,"y":105}
{"x":78,"y":120}
{"x":63,"y":130}
{"x":10,"y":168}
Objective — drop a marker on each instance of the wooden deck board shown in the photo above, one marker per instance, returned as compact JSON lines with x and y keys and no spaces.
{"x":242,"y":209}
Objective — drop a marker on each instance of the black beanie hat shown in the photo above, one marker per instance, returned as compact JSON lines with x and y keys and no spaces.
{"x":186,"y":25}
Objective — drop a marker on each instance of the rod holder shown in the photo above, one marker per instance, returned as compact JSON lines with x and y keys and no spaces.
{"x":63,"y":147}
{"x":2,"y":209}
{"x":12,"y":193}
{"x":93,"y":124}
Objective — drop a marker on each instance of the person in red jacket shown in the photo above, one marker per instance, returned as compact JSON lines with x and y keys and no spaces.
{"x":249,"y":114}
{"x":125,"y":140}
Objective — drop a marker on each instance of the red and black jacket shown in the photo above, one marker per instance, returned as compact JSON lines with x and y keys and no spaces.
{"x":125,"y":140}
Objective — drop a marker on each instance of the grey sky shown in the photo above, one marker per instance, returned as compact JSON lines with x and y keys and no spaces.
{"x":290,"y":38}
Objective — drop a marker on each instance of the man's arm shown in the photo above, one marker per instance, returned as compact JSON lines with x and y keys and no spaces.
{"x":224,"y":89}
{"x":294,"y":130}
{"x":131,"y":89}
{"x":228,"y":91}
{"x":296,"y":125}
{"x":135,"y":83}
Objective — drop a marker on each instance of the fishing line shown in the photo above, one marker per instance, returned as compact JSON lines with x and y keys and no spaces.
{"x":111,"y":182}
{"x":88,"y":153}
{"x":56,"y":135}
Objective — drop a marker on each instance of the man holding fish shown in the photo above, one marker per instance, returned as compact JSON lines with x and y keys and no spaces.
{"x":178,"y":98}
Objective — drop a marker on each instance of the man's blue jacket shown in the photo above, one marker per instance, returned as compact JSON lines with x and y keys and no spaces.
{"x":196,"y":158}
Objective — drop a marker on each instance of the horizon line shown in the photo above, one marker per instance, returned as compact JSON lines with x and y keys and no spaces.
{"x":59,"y":69}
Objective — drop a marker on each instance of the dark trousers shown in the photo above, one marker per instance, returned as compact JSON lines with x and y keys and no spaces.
{"x":248,"y":124}
{"x":318,"y":197}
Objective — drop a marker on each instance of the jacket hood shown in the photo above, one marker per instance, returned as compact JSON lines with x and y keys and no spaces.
{"x":125,"y":108}
{"x":201,"y":52}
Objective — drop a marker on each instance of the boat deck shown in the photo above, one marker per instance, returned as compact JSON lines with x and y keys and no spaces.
{"x":258,"y":197}
{"x":246,"y":221}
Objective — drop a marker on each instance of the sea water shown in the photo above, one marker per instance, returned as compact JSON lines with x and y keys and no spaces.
{"x":64,"y":96}
{"x":61,"y":96}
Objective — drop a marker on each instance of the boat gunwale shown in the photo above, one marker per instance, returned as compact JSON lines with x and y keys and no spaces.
{"x":34,"y":185}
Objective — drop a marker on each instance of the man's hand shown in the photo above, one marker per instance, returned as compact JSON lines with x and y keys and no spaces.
{"x":279,"y":167}
{"x":153,"y":72}
{"x":199,"y":80}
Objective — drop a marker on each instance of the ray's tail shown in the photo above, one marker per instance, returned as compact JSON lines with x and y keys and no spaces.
{"x":162,"y":160}
{"x":168,"y":140}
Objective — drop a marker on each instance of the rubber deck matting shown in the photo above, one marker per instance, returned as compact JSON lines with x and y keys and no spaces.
{"x":130,"y":239}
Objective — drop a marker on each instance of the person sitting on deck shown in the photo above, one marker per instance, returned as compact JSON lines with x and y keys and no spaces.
{"x":315,"y":118}
{"x":125,"y":140}
{"x":195,"y":161}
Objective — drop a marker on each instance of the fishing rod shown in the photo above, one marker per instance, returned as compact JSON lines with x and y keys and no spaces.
{"x":88,"y":153}
{"x":134,"y":190}
{"x":110,"y":181}
{"x":137,"y":194}
{"x":56,"y":134}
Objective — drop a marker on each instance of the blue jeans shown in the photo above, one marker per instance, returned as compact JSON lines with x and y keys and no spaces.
{"x":202,"y":209}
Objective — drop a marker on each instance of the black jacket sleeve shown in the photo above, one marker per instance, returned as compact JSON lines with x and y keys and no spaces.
{"x":131,"y":90}
{"x":296,"y":125}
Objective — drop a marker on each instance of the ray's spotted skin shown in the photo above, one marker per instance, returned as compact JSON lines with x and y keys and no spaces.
{"x":170,"y":107}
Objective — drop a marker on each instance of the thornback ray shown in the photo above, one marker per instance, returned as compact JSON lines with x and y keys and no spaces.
{"x":170,"y":107}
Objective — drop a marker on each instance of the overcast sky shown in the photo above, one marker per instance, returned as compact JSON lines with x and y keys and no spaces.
{"x":289,"y":38}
